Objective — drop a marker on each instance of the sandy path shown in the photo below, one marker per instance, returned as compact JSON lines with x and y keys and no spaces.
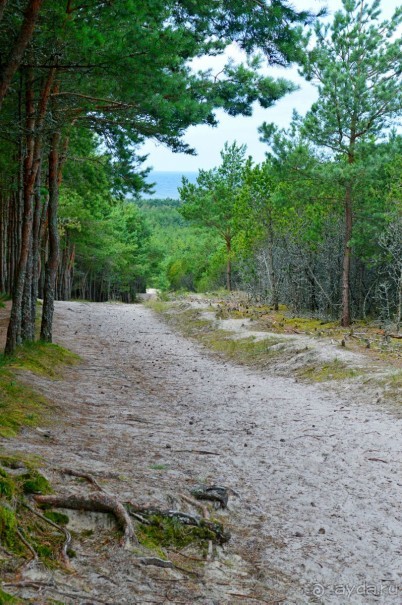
{"x":318,"y":517}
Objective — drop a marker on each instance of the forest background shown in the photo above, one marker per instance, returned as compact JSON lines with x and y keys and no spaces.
{"x":317,"y":226}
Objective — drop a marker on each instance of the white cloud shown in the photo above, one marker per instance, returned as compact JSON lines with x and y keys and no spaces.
{"x":209,"y":141}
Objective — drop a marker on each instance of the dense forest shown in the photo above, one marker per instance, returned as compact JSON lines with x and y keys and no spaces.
{"x":317,"y":226}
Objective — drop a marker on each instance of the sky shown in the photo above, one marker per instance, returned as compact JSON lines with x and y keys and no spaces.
{"x":209,"y":141}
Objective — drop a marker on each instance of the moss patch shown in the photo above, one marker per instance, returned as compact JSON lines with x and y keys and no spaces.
{"x":8,"y":526}
{"x":35,"y":483}
{"x":56,"y":517}
{"x":6,"y":485}
{"x":16,"y":519}
{"x":164,"y":532}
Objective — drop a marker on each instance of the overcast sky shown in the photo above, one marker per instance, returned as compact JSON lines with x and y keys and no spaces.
{"x":209,"y":141}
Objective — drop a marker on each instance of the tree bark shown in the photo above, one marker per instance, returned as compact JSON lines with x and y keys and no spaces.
{"x":37,"y":216}
{"x":271,"y":268}
{"x":228,"y":240}
{"x":399,"y":305}
{"x":14,"y":326}
{"x":347,"y":250}
{"x":18,"y":49}
{"x":53,"y":258}
{"x":31,"y":167}
{"x":347,"y":254}
{"x":27,"y":327}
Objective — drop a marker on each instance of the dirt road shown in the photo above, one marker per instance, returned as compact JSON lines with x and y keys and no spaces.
{"x":317,"y":517}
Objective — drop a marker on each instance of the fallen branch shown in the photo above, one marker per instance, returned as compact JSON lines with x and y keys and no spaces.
{"x":100,"y":502}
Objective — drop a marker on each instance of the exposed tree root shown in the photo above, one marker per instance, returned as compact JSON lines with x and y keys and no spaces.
{"x":205,"y":513}
{"x":221,"y":535}
{"x":214,"y":493}
{"x":100,"y":502}
{"x":61,"y":529}
{"x":81,"y":475}
{"x":28,"y":546}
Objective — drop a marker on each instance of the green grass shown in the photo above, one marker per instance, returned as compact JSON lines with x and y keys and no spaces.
{"x":250,"y":351}
{"x":6,"y":598}
{"x":19,"y":404}
{"x":45,"y":359}
{"x":333,"y":370}
{"x":394,"y":387}
{"x":247,"y":350}
{"x":391,"y":386}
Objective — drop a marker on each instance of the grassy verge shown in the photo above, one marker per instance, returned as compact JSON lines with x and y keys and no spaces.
{"x":19,"y":404}
{"x":366,"y":337}
{"x":244,"y":351}
{"x":276,"y":351}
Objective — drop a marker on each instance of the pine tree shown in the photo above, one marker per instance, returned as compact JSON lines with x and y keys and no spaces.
{"x":357,"y":64}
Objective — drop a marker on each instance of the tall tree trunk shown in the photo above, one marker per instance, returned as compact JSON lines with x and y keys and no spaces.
{"x":347,"y":255}
{"x":228,"y":240}
{"x":27,"y":327}
{"x":399,"y":305}
{"x":53,"y":258}
{"x":35,"y":246}
{"x":271,"y":268}
{"x":347,"y":249}
{"x":14,"y":327}
{"x":18,"y":48}
{"x":31,"y":167}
